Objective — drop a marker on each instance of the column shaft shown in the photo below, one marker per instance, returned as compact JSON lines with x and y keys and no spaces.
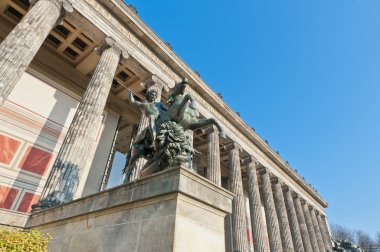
{"x":286,"y":236}
{"x":71,"y":159}
{"x":274,"y":234}
{"x":293,"y":221}
{"x":317,"y":231}
{"x":310,"y":227}
{"x":257,"y":218}
{"x":18,"y":49}
{"x":239,"y":228}
{"x":325,"y":233}
{"x":213,"y":158}
{"x":302,"y":223}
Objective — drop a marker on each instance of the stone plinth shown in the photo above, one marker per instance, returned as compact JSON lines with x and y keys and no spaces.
{"x":174,"y":210}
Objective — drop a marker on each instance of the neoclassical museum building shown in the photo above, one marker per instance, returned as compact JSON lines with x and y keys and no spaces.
{"x":67,"y":127}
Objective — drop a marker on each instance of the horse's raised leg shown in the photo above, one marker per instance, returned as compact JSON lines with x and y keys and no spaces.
{"x":183,"y":106}
{"x":205,"y":122}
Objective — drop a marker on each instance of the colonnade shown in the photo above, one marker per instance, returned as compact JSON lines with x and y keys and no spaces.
{"x":290,"y":223}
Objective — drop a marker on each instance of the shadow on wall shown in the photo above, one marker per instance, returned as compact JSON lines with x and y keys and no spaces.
{"x":36,"y":160}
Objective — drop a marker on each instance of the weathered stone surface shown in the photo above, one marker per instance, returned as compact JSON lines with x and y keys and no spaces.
{"x":13,"y":218}
{"x":325,"y":233}
{"x":286,"y":237}
{"x":213,"y":158}
{"x":239,"y":228}
{"x":318,"y":233}
{"x":18,"y":49}
{"x":257,"y":218}
{"x":302,"y":223}
{"x":71,"y":159}
{"x":293,"y":221}
{"x":270,"y":213}
{"x":310,"y":227}
{"x":163,"y":212}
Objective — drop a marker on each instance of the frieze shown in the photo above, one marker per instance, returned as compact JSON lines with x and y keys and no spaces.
{"x":131,"y":37}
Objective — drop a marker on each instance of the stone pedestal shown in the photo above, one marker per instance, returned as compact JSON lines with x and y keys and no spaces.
{"x":174,"y":210}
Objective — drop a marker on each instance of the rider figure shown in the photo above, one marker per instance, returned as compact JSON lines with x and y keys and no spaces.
{"x":152,"y":109}
{"x":144,"y":144}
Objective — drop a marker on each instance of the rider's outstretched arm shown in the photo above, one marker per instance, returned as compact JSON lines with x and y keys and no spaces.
{"x":133,"y":101}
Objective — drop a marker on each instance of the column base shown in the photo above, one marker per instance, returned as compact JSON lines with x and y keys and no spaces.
{"x":174,"y":210}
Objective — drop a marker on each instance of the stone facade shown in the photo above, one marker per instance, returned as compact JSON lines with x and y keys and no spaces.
{"x":173,"y":210}
{"x":47,"y":51}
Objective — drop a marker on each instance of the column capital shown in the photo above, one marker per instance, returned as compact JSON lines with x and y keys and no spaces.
{"x":276,"y":180}
{"x":155,"y":80}
{"x":317,"y":212}
{"x":250,"y":160}
{"x":303,"y":201}
{"x":287,"y":188}
{"x":295,"y":195}
{"x":311,"y":207}
{"x":264,"y":170}
{"x":232,"y":146}
{"x":110,"y":42}
{"x":66,"y":5}
{"x":211,"y":129}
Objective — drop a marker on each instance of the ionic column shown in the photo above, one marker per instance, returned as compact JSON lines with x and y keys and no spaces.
{"x":274,"y":234}
{"x":317,"y":231}
{"x":213,"y":158}
{"x":257,"y":218}
{"x":310,"y":227}
{"x":302,"y":223}
{"x":293,"y":222}
{"x":239,"y":228}
{"x":153,"y":83}
{"x":325,"y":233}
{"x":21,"y":45}
{"x":71,"y":159}
{"x":286,"y":236}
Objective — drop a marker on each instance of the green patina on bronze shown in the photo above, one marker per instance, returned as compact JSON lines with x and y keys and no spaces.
{"x":166,"y":142}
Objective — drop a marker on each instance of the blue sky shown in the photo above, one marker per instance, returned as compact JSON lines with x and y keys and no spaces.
{"x":304,"y":74}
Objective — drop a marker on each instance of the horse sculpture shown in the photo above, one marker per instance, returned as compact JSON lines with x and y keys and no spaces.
{"x":185,"y":113}
{"x":172,"y":144}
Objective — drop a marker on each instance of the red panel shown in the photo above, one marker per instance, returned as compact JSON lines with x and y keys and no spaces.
{"x":35,"y":160}
{"x":8,"y":148}
{"x":7,"y":196}
{"x":27,"y":201}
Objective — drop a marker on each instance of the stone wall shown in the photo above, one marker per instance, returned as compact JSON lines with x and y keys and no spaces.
{"x":174,"y":210}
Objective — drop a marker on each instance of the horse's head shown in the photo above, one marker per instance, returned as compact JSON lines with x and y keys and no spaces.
{"x":178,"y":93}
{"x":181,"y":87}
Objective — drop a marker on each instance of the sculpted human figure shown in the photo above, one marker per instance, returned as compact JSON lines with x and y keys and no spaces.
{"x":172,"y":144}
{"x":144,"y":145}
{"x":152,"y":110}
